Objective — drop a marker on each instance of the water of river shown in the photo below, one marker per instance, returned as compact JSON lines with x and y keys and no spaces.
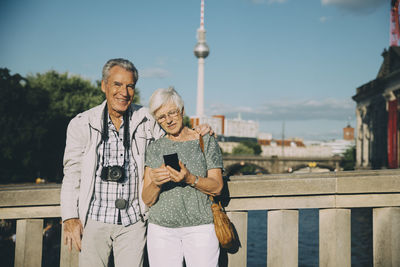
{"x":361,"y":238}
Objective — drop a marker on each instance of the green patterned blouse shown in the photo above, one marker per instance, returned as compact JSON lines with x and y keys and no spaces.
{"x":180,"y":205}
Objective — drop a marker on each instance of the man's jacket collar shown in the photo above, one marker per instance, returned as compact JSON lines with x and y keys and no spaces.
{"x":138,"y":116}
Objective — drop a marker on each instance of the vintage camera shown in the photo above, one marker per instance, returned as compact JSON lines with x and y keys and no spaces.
{"x":112,"y":174}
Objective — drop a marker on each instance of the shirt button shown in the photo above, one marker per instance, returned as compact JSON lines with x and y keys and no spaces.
{"x":122,"y":154}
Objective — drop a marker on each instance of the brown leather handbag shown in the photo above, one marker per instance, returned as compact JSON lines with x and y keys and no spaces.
{"x":223,"y":226}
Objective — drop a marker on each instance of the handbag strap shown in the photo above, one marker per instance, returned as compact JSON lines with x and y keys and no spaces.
{"x":201,"y":143}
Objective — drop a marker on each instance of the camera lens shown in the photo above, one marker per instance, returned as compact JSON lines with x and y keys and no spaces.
{"x":115,"y":173}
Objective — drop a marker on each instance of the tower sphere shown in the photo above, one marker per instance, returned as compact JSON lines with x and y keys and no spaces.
{"x":201,"y":50}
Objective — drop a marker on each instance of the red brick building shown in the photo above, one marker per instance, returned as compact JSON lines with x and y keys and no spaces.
{"x":348,"y":133}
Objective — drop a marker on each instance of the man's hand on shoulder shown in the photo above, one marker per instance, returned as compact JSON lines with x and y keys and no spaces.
{"x":73,"y":230}
{"x":204,"y":129}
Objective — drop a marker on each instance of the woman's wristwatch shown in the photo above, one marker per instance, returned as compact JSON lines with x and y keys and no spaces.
{"x":195,"y":182}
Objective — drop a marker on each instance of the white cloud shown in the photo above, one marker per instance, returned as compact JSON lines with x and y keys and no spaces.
{"x":161,"y":61}
{"x":294,"y":110}
{"x":355,"y":6}
{"x":276,"y":1}
{"x":258,"y":2}
{"x":154,"y":73}
{"x":323,"y":19}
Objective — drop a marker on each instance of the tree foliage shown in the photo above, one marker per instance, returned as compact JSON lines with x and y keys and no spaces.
{"x":35,"y":113}
{"x":186,"y":121}
{"x":247,"y":148}
{"x":68,"y":95}
{"x":349,"y":159}
{"x":22,"y":108}
{"x":242,"y":149}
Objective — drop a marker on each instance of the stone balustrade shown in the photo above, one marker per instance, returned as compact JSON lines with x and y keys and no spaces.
{"x":334,"y":194}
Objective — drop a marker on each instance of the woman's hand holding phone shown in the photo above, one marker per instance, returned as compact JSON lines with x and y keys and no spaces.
{"x":160,"y":175}
{"x":180,"y":176}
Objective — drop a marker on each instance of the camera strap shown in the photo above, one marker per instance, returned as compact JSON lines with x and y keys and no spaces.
{"x":105,"y":133}
{"x":120,"y":202}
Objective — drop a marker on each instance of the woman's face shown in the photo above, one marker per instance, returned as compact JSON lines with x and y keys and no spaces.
{"x":170,"y":118}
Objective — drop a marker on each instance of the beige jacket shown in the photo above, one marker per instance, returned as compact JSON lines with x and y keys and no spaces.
{"x":80,"y":157}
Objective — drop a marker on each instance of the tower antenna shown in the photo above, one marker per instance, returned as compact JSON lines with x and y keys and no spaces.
{"x":201,"y":51}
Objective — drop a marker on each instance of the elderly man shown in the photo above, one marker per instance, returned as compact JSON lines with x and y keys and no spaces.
{"x":101,"y":207}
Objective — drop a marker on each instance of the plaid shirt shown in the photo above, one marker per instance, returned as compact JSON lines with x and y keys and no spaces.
{"x":102,"y":206}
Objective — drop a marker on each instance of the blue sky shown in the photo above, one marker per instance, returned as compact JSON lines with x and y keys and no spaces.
{"x":273,"y":61}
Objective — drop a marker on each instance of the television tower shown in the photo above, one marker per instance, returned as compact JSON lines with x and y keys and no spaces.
{"x":201,"y":51}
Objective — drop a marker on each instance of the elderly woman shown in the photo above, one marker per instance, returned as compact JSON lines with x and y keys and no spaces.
{"x":180,"y":217}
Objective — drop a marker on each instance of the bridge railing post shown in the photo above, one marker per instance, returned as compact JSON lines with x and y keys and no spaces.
{"x":28,"y":244}
{"x":239,"y":258}
{"x":283,"y":237}
{"x":335,"y":237}
{"x":386,"y":236}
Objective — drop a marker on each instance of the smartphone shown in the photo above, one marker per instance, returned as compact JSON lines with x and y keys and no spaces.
{"x":173,"y":161}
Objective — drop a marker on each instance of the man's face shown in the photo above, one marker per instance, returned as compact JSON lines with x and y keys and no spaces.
{"x":119,"y":89}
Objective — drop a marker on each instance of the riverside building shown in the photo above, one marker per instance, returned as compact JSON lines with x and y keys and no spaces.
{"x":377,"y":140}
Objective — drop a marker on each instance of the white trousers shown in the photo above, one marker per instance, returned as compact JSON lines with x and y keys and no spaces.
{"x":126,"y":242}
{"x":168,"y":246}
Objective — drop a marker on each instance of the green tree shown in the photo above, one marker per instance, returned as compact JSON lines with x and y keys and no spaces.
{"x":253,"y":145}
{"x":247,"y":148}
{"x":67,"y":96}
{"x":186,"y":121}
{"x":23,"y":110}
{"x":242,"y":149}
{"x":35,"y":113}
{"x":349,"y":159}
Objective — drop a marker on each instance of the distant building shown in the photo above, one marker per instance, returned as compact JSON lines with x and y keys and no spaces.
{"x":339,"y":147}
{"x":377,"y":113}
{"x":264,"y":136}
{"x":293,"y":147}
{"x":228,"y":127}
{"x":241,"y":128}
{"x":348,"y":133}
{"x":216,"y":123}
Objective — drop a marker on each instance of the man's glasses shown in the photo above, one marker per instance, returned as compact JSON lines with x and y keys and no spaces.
{"x":172,"y":114}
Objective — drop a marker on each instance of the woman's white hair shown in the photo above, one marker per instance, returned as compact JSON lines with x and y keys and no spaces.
{"x":164,"y":96}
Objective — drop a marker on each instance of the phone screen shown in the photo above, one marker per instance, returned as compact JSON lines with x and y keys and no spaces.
{"x":172,"y":160}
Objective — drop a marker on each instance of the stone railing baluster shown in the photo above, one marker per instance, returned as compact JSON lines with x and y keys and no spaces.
{"x":386,"y":237}
{"x":283,"y":236}
{"x":239,"y":258}
{"x":335,"y":237}
{"x":28,"y":245}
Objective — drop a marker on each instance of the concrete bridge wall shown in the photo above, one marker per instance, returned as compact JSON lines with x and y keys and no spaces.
{"x":334,"y":194}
